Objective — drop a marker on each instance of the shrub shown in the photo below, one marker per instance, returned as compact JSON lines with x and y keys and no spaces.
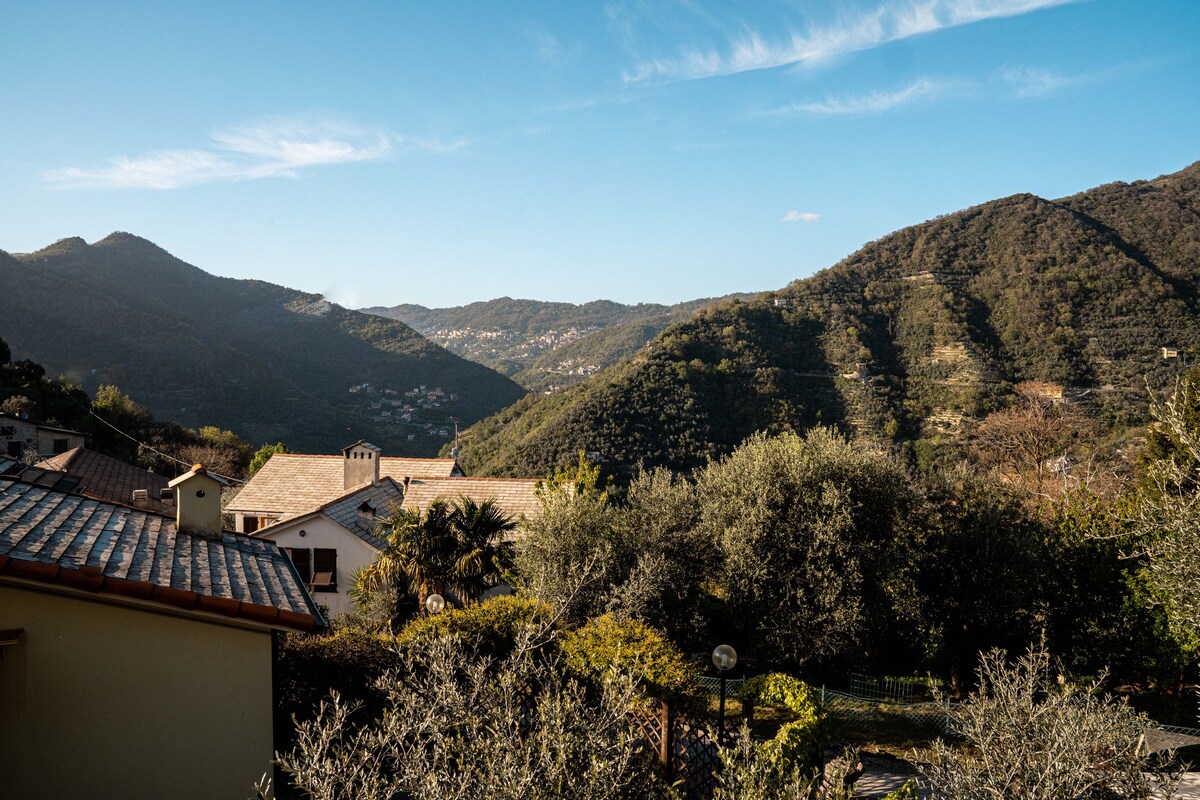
{"x":760,"y":772}
{"x":657,"y":667}
{"x":491,"y":627}
{"x":801,"y":741}
{"x":349,"y":662}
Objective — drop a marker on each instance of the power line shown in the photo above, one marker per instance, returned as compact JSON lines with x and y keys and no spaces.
{"x":137,"y":441}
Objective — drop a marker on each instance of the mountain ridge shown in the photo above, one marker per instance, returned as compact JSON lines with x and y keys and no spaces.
{"x":204,"y":349}
{"x":908,"y":340}
{"x":545,"y":346}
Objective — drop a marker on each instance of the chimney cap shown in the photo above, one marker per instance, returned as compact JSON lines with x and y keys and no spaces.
{"x":362,"y":443}
{"x":197,"y":470}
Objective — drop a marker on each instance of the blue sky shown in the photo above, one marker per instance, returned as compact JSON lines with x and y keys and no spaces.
{"x":637,"y":150}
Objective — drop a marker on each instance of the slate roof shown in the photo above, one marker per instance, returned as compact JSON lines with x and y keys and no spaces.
{"x":105,"y":478}
{"x":59,"y":538}
{"x":290,"y":484}
{"x":384,"y":499}
{"x":40,"y":476}
{"x":517,"y":496}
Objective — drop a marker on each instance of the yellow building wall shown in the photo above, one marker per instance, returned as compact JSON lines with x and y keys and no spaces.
{"x":101,"y":701}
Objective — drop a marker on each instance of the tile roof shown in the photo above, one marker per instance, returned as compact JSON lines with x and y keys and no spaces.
{"x":517,"y":496}
{"x":40,"y":476}
{"x":105,"y":478}
{"x":384,"y":499}
{"x":54,"y":537}
{"x":290,"y":484}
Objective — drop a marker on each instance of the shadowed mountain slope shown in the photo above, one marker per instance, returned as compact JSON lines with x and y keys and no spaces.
{"x":268,"y":362}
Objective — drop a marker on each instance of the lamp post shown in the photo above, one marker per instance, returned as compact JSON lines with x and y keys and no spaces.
{"x":434,"y":603}
{"x":724,"y":658}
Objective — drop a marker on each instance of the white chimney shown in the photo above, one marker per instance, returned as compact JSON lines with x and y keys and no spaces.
{"x":361,"y":464}
{"x":198,"y":502}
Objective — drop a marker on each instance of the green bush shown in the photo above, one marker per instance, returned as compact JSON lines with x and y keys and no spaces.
{"x":802,"y":740}
{"x":657,"y":666}
{"x":348,"y":661}
{"x":491,"y":626}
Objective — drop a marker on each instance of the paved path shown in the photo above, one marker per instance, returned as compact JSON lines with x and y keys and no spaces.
{"x":883,"y":774}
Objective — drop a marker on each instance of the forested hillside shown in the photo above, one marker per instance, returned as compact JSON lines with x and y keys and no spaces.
{"x":546,"y":347}
{"x":268,"y":362}
{"x":912,"y":339}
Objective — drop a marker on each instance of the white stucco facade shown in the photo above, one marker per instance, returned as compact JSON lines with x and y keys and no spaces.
{"x":318,"y":531}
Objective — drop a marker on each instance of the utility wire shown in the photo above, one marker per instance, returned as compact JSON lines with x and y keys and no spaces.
{"x":137,"y":441}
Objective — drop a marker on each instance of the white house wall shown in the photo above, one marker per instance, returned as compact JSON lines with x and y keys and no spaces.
{"x":313,"y":532}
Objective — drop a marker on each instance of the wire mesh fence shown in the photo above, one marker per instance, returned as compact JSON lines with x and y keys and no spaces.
{"x":855,"y":716}
{"x":713,"y":685}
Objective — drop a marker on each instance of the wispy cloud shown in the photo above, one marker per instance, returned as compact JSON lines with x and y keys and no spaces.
{"x":1035,"y":82}
{"x":924,"y":89}
{"x":861,"y":31}
{"x":800,"y":216}
{"x":271,"y":149}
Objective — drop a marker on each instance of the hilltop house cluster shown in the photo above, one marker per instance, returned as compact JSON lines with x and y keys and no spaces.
{"x":409,"y":408}
{"x":127,"y":605}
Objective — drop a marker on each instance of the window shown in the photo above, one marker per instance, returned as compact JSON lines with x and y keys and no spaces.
{"x":299,"y":556}
{"x":8,"y":430}
{"x":62,"y":445}
{"x":249,"y":524}
{"x":324,"y":577}
{"x":317,"y":567}
{"x":14,"y":449}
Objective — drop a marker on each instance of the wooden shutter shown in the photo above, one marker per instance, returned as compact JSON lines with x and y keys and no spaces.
{"x":299,"y":556}
{"x":325,"y":569}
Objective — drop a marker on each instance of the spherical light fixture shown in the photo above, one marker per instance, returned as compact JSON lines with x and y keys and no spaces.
{"x":724,"y":658}
{"x":434,"y":603}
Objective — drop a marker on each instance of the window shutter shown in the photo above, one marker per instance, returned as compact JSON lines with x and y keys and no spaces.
{"x":299,"y":556}
{"x":325,"y":569}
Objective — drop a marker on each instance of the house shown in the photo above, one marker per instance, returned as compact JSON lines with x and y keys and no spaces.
{"x":327,"y":521}
{"x":329,"y":543}
{"x":19,"y":436}
{"x":291,"y":484}
{"x":517,"y":496}
{"x":102,"y":477}
{"x":136,"y":650}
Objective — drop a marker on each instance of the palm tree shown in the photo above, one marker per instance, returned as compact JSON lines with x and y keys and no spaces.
{"x":482,"y":553}
{"x":419,"y":554}
{"x":455,"y":547}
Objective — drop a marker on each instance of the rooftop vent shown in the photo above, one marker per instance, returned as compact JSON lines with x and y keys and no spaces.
{"x":141,"y":495}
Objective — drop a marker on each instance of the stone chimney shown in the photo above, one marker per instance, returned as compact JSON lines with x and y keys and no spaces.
{"x":360,"y":462}
{"x":198,"y":502}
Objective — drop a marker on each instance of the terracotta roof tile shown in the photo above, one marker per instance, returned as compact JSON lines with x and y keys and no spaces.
{"x":105,"y":478}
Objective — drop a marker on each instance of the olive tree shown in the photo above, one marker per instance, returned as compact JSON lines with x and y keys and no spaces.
{"x":1168,"y":516}
{"x":1032,"y":735}
{"x":805,"y":526}
{"x":645,"y":558}
{"x":459,"y":725}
